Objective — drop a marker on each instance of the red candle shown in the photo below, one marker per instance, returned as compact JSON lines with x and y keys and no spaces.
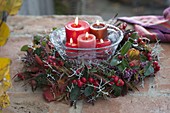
{"x":99,"y":30}
{"x":76,"y":28}
{"x":86,"y":41}
{"x":103,"y":43}
{"x":70,"y":45}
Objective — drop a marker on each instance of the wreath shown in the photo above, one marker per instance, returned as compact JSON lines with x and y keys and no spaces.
{"x":44,"y":68}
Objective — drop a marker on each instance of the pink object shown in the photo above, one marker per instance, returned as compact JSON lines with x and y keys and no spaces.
{"x":73,"y":29}
{"x":86,"y":41}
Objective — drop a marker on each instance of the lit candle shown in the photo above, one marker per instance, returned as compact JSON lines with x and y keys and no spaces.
{"x":70,"y":44}
{"x":99,"y":30}
{"x":86,"y":41}
{"x":75,"y":28}
{"x":103,"y":43}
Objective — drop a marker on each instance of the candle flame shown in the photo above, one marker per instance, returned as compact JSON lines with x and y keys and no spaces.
{"x":97,"y":22}
{"x":101,"y":41}
{"x":87,"y":35}
{"x":71,"y":41}
{"x":76,"y":21}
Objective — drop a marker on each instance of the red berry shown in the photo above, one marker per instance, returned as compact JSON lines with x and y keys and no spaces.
{"x":120,"y":82}
{"x":149,"y":55}
{"x":96,"y":83}
{"x":53,"y":57}
{"x":74,"y":81}
{"x":79,"y":83}
{"x":142,"y":42}
{"x":91,"y":80}
{"x":131,"y":64}
{"x":139,"y":40}
{"x":49,"y":57}
{"x":124,"y":25}
{"x":115,"y":79}
{"x":119,"y":57}
{"x":83,"y":79}
{"x":49,"y":61}
{"x":54,"y":64}
{"x":157,"y":68}
{"x":155,"y":63}
{"x":149,"y":58}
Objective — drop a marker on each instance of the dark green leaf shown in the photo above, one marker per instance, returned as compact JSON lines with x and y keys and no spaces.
{"x":38,"y":51}
{"x":121,"y":67}
{"x":88,"y":91}
{"x":134,"y":35}
{"x":143,"y":58}
{"x":37,"y":39}
{"x":74,"y":94}
{"x":125,"y":48}
{"x":117,"y":90}
{"x":93,"y":70}
{"x":148,"y":69}
{"x":24,"y":48}
{"x":125,"y":62}
{"x":131,"y":40}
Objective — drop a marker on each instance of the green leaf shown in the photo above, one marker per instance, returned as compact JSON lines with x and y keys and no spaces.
{"x":93,"y":70}
{"x":117,"y":90}
{"x":143,"y":58}
{"x":134,"y":35}
{"x":74,"y":94}
{"x":148,"y":69}
{"x":44,"y":43}
{"x":123,"y":65}
{"x":37,"y":39}
{"x":125,"y":48}
{"x":38,"y":51}
{"x":24,"y":48}
{"x":88,"y":91}
{"x":115,"y":61}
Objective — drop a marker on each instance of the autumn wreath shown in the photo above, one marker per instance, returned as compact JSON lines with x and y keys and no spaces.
{"x":44,"y":68}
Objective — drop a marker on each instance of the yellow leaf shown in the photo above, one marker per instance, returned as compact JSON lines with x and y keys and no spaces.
{"x":4,"y":100}
{"x":2,"y":5}
{"x":13,"y":6}
{"x":5,"y":81}
{"x":4,"y":33}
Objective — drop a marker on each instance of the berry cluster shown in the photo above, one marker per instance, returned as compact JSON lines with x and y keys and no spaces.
{"x":156,"y":66}
{"x":82,"y":81}
{"x":116,"y":80}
